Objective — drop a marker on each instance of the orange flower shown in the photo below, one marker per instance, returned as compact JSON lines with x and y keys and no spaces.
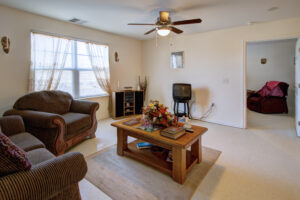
{"x":163,"y":121}
{"x":162,"y":110}
{"x":155,"y":114}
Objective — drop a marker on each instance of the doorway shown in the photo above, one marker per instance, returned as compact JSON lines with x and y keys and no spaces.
{"x":270,"y":61}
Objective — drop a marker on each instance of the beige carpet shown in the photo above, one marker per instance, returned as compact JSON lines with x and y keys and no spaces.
{"x":123,"y":178}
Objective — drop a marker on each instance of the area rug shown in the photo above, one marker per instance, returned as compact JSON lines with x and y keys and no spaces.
{"x":123,"y":178}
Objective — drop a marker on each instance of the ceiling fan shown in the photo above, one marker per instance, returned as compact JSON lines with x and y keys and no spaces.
{"x":164,"y":25}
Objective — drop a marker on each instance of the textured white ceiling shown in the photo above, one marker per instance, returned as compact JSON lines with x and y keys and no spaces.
{"x":113,"y":15}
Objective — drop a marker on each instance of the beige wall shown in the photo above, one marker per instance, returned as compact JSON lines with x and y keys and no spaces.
{"x":297,"y":82}
{"x":214,"y":65}
{"x":280,"y":66}
{"x":14,"y":67}
{"x":213,"y":61}
{"x":103,"y":112}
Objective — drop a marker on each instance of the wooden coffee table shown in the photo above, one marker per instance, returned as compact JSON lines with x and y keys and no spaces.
{"x":183,"y":159}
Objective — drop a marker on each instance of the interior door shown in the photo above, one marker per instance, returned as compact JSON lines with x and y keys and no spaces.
{"x":297,"y":95}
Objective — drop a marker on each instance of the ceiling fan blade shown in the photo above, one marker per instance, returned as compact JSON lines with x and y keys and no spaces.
{"x":190,"y":21}
{"x":141,"y":24}
{"x":175,"y":30}
{"x":150,"y":31}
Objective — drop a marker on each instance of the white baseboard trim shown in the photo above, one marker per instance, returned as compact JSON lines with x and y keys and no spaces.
{"x":221,"y":123}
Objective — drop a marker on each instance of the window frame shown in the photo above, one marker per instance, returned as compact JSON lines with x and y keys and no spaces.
{"x":75,"y":70}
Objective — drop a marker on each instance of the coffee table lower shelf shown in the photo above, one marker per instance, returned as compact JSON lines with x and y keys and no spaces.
{"x":147,"y":157}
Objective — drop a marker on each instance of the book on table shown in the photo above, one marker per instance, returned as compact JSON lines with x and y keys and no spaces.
{"x":173,"y":132}
{"x":131,"y":122}
{"x":143,"y":145}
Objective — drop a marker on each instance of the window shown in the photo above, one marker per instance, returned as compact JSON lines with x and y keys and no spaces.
{"x":177,"y":60}
{"x":76,"y":76}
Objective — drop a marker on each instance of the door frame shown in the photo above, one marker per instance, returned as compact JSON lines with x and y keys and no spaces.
{"x":244,"y":70}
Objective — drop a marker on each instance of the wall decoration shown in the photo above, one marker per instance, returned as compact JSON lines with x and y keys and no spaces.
{"x":116,"y":57}
{"x":263,"y":61}
{"x":143,"y":86}
{"x":5,"y":41}
{"x":177,"y":60}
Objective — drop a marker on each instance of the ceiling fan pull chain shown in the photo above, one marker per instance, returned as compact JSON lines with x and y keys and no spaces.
{"x":170,"y":43}
{"x":171,"y":39}
{"x":156,"y":39}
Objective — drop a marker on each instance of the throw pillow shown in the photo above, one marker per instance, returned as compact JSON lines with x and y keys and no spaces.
{"x":12,"y":158}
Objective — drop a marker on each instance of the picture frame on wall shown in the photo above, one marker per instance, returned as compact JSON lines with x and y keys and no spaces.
{"x":177,"y":60}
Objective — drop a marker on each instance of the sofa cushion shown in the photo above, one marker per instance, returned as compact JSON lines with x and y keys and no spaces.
{"x":76,"y":123}
{"x":26,"y":141}
{"x":46,"y":101}
{"x":12,"y":124}
{"x":37,"y":156}
{"x":12,"y":158}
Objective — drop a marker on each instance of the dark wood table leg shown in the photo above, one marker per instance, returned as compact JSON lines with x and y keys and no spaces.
{"x":122,"y":142}
{"x":179,"y":164}
{"x":196,"y":150}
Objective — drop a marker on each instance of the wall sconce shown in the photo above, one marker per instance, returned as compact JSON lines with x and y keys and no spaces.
{"x":263,"y":61}
{"x":116,"y":57}
{"x":5,"y":41}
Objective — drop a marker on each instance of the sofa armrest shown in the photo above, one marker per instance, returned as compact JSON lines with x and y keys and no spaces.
{"x":252,"y":94}
{"x":11,"y":125}
{"x":36,"y":118}
{"x":86,"y":107}
{"x":46,"y":179}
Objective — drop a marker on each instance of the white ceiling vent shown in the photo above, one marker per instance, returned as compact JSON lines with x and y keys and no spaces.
{"x":77,"y":21}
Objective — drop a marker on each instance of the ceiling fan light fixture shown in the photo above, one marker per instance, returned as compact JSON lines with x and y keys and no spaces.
{"x":163,"y":31}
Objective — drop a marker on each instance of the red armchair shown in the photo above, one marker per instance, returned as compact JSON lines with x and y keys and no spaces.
{"x":270,"y":99}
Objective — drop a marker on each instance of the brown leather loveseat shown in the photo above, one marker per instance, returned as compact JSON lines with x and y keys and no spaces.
{"x":56,"y":118}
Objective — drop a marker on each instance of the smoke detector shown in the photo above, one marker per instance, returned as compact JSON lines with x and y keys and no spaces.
{"x":77,"y":21}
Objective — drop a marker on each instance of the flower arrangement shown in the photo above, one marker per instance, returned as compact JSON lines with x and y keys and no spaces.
{"x":158,"y":115}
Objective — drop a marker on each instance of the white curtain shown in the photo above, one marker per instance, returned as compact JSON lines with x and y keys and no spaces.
{"x":98,"y":55}
{"x":48,"y":59}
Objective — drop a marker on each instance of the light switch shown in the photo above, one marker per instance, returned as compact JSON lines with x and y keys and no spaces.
{"x":226,"y":81}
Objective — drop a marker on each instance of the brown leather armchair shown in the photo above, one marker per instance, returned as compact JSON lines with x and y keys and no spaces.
{"x":56,"y":118}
